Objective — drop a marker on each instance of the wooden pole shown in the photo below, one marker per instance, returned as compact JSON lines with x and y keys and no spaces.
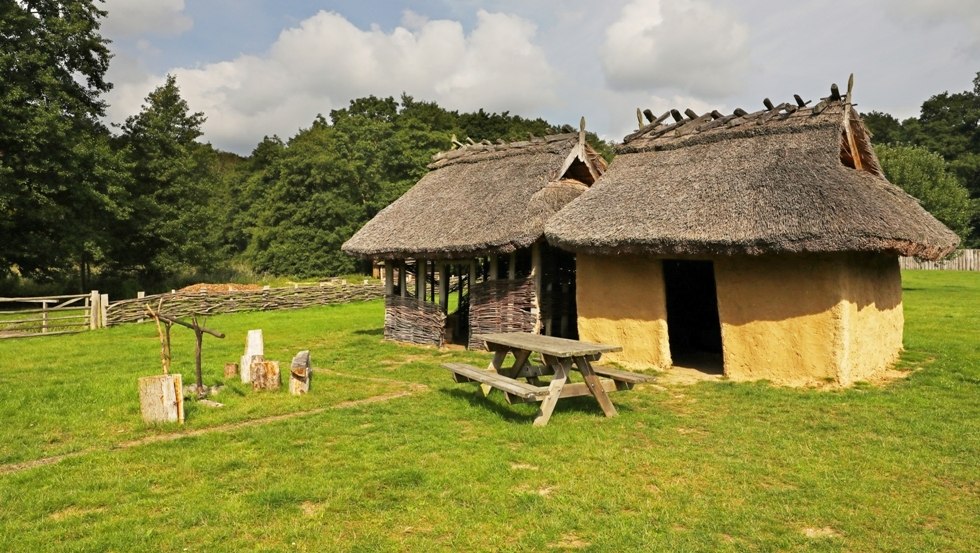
{"x":432,"y":287}
{"x":103,"y":309}
{"x":420,"y":280}
{"x":459,"y":292}
{"x":402,"y":279}
{"x":44,"y":316}
{"x":389,"y":277}
{"x":93,"y":317}
{"x":512,"y":266}
{"x":493,"y":267}
{"x":536,"y":275}
{"x":444,"y":287}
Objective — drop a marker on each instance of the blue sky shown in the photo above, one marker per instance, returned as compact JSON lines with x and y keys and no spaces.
{"x":262,"y":67}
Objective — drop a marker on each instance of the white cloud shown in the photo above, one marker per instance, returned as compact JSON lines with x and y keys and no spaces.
{"x":687,"y":46}
{"x":326,"y":60}
{"x":129,"y":18}
{"x":939,"y":12}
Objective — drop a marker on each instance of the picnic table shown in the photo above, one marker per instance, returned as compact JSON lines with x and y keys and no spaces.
{"x":559,"y":356}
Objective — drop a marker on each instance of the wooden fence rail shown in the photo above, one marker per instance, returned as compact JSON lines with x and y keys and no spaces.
{"x":185,"y":304}
{"x":966,"y":260}
{"x":63,"y":314}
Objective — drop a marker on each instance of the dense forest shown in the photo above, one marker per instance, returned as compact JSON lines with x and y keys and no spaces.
{"x":145,"y":205}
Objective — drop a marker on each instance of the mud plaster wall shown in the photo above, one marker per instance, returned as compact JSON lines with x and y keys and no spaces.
{"x":621,"y":301}
{"x":802,"y":319}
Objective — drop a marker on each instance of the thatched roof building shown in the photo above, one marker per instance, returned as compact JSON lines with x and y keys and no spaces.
{"x":775,"y":181}
{"x":476,"y":220}
{"x":765,"y":243}
{"x":481,"y":199}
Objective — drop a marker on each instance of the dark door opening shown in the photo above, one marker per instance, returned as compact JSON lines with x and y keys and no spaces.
{"x":693,"y":326}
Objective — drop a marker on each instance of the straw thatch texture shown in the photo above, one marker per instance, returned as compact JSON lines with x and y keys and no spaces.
{"x":501,"y":306}
{"x":407,"y":320}
{"x":478,"y":200}
{"x":763,"y":183}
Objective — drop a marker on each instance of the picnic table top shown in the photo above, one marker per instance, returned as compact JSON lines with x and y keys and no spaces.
{"x":548,"y":345}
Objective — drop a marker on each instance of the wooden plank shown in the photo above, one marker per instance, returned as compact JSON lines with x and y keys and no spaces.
{"x":625,"y":376}
{"x":549,"y":345}
{"x":582,"y":389}
{"x":389,"y":277}
{"x":498,"y":381}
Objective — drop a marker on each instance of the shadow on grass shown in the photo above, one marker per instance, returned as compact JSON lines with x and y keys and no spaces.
{"x":526,"y":412}
{"x":370,"y":332}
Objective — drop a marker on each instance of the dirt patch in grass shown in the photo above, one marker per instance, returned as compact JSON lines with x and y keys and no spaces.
{"x":73,"y":511}
{"x":569,"y":541}
{"x":819,"y":533}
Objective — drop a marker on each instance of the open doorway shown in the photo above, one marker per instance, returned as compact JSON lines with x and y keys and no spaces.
{"x":693,"y":326}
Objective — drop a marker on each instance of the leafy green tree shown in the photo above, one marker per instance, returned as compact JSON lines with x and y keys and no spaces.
{"x":926,"y":175}
{"x":885,"y":129}
{"x":173,"y":182}
{"x":60,"y":182}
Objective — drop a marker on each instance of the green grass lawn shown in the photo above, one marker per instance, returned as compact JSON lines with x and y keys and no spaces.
{"x":710,"y":467}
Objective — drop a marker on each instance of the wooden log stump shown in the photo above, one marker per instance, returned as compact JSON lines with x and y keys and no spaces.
{"x":300,"y":373}
{"x":254,"y":347}
{"x":162,"y":398}
{"x":265,"y":375}
{"x":231,"y":370}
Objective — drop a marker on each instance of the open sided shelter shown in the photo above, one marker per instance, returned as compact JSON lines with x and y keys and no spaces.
{"x":765,"y":244}
{"x":475,"y":222}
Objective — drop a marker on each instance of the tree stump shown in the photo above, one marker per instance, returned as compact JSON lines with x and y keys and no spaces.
{"x":162,"y":398}
{"x":231,"y":370}
{"x":254,"y":347}
{"x":265,"y":374}
{"x":300,"y":373}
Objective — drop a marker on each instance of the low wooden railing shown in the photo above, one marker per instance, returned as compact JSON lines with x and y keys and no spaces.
{"x":965,"y":260}
{"x":51,"y":315}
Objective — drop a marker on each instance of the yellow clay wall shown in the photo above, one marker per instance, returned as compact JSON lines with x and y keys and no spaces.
{"x":793,"y":320}
{"x":620,"y":300}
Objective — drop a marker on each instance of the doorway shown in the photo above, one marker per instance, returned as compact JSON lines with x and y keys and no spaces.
{"x":693,"y":325}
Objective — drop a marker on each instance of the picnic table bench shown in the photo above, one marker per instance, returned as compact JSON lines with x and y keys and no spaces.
{"x":560,"y":356}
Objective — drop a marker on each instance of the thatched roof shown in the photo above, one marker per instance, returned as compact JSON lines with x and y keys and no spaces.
{"x":482,"y":198}
{"x":779,"y":180}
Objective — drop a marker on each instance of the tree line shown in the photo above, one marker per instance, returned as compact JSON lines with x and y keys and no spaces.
{"x":936,"y":157}
{"x":145,"y":205}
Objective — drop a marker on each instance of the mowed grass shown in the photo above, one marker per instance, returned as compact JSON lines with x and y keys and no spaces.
{"x":709,"y":467}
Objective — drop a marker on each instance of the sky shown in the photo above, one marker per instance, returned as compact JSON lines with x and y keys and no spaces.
{"x":262,"y":67}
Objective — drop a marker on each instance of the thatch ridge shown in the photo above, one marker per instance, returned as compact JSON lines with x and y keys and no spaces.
{"x":768,"y":182}
{"x":476,"y":200}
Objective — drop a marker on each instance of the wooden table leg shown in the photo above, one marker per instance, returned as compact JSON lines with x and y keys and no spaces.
{"x":495,"y":365}
{"x":561,"y":367}
{"x":592,"y":381}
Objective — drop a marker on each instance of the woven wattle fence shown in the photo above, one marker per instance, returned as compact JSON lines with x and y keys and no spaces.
{"x":501,"y":306}
{"x":185,"y":304}
{"x":407,"y":320}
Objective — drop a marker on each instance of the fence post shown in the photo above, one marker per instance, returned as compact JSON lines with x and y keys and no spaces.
{"x":139,"y":296}
{"x":103,"y":308}
{"x":44,"y":316}
{"x":93,"y":317}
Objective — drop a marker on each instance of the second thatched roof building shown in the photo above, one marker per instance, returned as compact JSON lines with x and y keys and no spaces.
{"x":475,"y":223}
{"x":764,"y":245}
